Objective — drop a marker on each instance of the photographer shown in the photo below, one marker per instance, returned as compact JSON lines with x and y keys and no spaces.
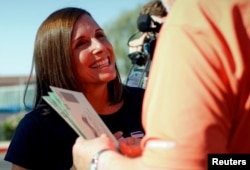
{"x":157,"y":13}
{"x":141,"y":49}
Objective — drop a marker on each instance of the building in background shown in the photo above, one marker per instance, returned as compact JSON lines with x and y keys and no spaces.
{"x":12,"y":92}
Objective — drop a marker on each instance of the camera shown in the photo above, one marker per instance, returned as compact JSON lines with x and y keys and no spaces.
{"x":142,"y":45}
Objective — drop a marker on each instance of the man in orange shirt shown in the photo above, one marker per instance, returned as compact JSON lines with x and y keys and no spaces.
{"x":198,"y":95}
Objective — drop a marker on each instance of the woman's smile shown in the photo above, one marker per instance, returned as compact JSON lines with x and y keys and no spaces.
{"x":99,"y":64}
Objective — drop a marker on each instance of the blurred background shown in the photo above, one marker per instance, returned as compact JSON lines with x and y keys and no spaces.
{"x":19,"y":23}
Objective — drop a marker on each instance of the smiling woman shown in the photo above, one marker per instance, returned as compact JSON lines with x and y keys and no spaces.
{"x":93,"y":55}
{"x":72,"y":52}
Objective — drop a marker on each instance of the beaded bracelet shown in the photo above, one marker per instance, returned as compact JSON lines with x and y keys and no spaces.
{"x":94,"y":161}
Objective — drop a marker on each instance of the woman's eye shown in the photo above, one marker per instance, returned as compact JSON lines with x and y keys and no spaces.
{"x":81,"y":43}
{"x":100,"y":35}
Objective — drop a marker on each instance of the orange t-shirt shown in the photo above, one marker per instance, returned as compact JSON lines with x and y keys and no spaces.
{"x":197,"y":99}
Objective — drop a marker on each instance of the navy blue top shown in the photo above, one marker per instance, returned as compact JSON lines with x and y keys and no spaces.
{"x":44,"y":141}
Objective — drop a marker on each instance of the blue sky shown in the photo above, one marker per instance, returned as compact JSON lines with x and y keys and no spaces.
{"x":20,"y":20}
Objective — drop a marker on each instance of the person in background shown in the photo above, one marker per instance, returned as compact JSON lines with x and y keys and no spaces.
{"x":142,"y":43}
{"x":72,"y":52}
{"x":156,"y":10}
{"x":198,"y":96}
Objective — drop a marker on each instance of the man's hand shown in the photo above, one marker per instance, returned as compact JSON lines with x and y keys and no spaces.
{"x":84,"y":150}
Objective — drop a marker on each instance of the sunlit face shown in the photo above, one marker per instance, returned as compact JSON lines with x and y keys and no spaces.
{"x":92,"y":52}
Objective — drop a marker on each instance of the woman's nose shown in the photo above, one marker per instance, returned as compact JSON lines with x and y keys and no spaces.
{"x":97,"y":45}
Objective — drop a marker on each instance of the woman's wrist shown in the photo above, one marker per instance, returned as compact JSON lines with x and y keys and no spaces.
{"x":99,"y":160}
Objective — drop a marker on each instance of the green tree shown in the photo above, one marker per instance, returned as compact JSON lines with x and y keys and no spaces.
{"x":118,"y":32}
